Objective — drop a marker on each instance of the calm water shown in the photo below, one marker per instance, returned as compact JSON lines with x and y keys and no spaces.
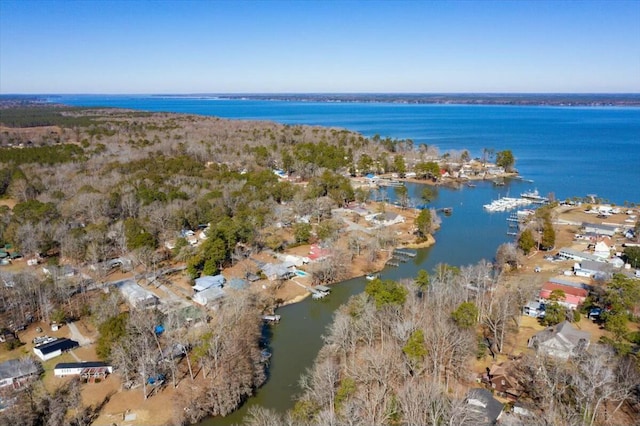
{"x":570,"y":151}
{"x":465,"y":237}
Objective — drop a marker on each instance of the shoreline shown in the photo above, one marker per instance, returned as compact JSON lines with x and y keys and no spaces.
{"x":424,"y":244}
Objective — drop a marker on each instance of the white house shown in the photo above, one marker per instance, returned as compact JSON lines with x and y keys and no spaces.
{"x":137,"y":296}
{"x":53,"y":349}
{"x":602,"y":250}
{"x":571,"y":254}
{"x":387,"y":219}
{"x":79,"y":368}
{"x":206,"y":297}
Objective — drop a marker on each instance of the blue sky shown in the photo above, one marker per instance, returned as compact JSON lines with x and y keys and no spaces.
{"x":319,"y":46}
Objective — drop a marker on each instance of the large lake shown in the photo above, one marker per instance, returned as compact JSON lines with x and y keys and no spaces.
{"x":568,"y":151}
{"x":572,"y":151}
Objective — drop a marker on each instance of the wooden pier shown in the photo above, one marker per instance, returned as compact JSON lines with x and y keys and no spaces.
{"x":317,"y":292}
{"x":405,"y":253}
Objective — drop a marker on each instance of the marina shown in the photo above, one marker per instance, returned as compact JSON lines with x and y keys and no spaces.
{"x":507,"y":203}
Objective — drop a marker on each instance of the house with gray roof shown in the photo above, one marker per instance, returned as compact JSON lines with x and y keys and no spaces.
{"x":15,"y":372}
{"x":591,"y":269}
{"x":482,"y":403}
{"x":571,"y":254}
{"x":560,"y":341}
{"x":599,"y":229}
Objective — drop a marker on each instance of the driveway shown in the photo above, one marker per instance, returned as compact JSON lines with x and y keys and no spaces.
{"x":77,"y":336}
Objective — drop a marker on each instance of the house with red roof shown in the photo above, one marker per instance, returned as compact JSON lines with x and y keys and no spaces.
{"x":573,"y":295}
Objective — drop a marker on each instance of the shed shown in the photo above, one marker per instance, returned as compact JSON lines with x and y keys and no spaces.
{"x":53,"y":349}
{"x":208,"y":281}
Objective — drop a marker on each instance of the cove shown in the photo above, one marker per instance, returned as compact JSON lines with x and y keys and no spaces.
{"x":469,"y":235}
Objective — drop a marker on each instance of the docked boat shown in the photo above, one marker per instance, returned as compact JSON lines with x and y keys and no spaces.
{"x":534,"y":196}
{"x":371,"y":277}
{"x":507,"y":203}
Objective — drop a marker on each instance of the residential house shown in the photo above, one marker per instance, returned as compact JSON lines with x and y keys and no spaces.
{"x":495,"y":170}
{"x":208,"y":281}
{"x":280,"y":271}
{"x":591,"y":269}
{"x":137,"y":296}
{"x":53,"y":349}
{"x":387,"y":219}
{"x":482,"y":402}
{"x":89,"y":371}
{"x":571,"y":254}
{"x":208,"y":296}
{"x":599,"y":229}
{"x":16,"y":372}
{"x":574,"y":295}
{"x":560,"y":341}
{"x":602,"y":249}
{"x":533,"y":309}
{"x":500,"y":380}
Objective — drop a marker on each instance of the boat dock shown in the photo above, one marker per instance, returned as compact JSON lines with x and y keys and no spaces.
{"x":317,"y":292}
{"x":271,"y":318}
{"x":407,"y":253}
